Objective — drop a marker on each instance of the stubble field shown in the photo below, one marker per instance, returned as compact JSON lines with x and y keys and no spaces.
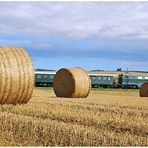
{"x":106,"y":118}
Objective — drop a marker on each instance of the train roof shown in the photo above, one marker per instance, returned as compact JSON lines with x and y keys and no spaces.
{"x":96,"y":74}
{"x":45,"y":72}
{"x":134,"y":74}
{"x":90,"y":74}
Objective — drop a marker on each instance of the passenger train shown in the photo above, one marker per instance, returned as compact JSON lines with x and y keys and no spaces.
{"x":46,"y":78}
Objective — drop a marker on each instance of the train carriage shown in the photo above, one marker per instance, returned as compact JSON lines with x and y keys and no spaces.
{"x":44,"y":78}
{"x":131,"y":81}
{"x":103,"y":80}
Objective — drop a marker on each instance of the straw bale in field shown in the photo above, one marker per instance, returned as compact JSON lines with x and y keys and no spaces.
{"x":144,"y":90}
{"x":16,"y":76}
{"x":72,"y":83}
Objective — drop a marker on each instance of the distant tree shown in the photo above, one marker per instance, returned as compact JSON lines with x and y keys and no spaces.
{"x":119,"y":69}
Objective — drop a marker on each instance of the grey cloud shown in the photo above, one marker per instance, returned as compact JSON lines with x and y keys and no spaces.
{"x":26,"y":44}
{"x":75,"y":19}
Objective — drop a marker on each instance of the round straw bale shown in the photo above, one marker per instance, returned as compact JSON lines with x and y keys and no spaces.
{"x":16,"y":76}
{"x":72,"y":83}
{"x":144,"y":90}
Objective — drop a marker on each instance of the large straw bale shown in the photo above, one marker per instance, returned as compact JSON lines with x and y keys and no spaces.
{"x":16,"y":76}
{"x":72,"y":83}
{"x":144,"y":90}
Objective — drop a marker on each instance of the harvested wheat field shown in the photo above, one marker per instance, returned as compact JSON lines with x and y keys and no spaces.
{"x":106,"y":117}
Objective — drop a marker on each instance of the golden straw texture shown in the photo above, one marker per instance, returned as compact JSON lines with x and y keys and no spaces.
{"x":72,"y":83}
{"x":16,"y":76}
{"x":144,"y":90}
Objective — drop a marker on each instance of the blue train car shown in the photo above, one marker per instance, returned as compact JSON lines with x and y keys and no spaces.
{"x":131,"y":81}
{"x":44,"y":78}
{"x":103,"y":80}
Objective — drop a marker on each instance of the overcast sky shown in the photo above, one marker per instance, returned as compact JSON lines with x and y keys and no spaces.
{"x":92,"y":35}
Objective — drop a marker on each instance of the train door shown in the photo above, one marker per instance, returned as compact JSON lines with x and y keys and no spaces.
{"x":120,"y":79}
{"x":127,"y":79}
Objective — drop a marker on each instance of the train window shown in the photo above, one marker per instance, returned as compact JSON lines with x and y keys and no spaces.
{"x":129,"y":77}
{"x":39,"y":76}
{"x":93,"y":77}
{"x":146,"y":77}
{"x":104,"y":78}
{"x":51,"y":76}
{"x":45,"y":76}
{"x":139,"y":77}
{"x":99,"y":78}
{"x":109,"y":78}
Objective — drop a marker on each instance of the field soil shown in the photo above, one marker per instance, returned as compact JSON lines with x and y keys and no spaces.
{"x":107,"y":117}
